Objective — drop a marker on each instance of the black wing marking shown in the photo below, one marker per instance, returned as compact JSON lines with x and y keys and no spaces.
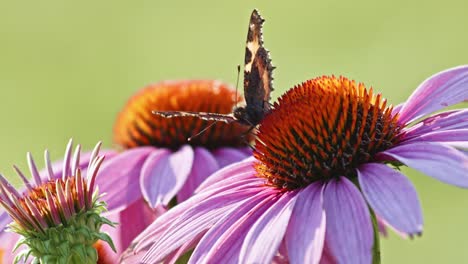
{"x":227,"y":118}
{"x":258,"y":68}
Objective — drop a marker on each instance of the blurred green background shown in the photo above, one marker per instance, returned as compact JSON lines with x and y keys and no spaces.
{"x":66,"y":68}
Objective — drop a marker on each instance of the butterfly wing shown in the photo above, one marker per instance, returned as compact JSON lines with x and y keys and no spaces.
{"x":227,"y":118}
{"x":258,"y":68}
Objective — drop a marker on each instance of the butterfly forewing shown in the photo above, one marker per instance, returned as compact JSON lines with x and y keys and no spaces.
{"x":227,"y":118}
{"x":257,"y":82}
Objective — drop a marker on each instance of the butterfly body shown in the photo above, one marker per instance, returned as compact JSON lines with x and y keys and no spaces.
{"x":257,"y":82}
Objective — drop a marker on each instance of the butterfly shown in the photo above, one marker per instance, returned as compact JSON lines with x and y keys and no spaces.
{"x":257,"y":82}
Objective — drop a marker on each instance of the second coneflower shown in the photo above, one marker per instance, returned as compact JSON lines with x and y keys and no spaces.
{"x":325,"y":168}
{"x":156,"y":164}
{"x":58,"y":219}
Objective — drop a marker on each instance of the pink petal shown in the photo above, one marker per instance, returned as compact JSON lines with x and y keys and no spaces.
{"x":436,"y":160}
{"x":146,"y":238}
{"x":222,"y":243}
{"x":227,"y":156}
{"x":306,"y":230}
{"x":204,"y":165}
{"x":119,"y":178}
{"x":264,"y":238}
{"x":441,"y":90}
{"x":227,"y":173}
{"x":188,"y":225}
{"x":349,"y":233}
{"x":150,"y":236}
{"x":133,"y":220}
{"x":441,"y":136}
{"x":164,"y":173}
{"x":449,"y":120}
{"x":392,"y":196}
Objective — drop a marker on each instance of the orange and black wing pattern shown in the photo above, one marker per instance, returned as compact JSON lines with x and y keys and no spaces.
{"x":257,"y":69}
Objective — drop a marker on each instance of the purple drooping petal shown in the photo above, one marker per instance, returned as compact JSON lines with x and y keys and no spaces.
{"x":227,"y":173}
{"x":148,"y":237}
{"x":227,"y":156}
{"x":222,"y":243}
{"x":264,"y":238}
{"x":306,"y":230}
{"x":119,"y":178}
{"x":174,"y":256}
{"x":441,"y":90}
{"x":164,"y":173}
{"x":349,"y":233}
{"x":392,"y":196}
{"x":192,"y":222}
{"x":439,"y":161}
{"x":449,"y":120}
{"x":134,"y":219}
{"x":204,"y":165}
{"x":458,"y":135}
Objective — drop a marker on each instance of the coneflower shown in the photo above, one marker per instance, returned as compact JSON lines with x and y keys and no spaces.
{"x":325,"y":165}
{"x":59,"y":218}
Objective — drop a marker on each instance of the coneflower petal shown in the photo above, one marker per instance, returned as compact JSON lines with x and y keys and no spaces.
{"x":224,"y":240}
{"x":392,"y":196}
{"x":54,"y":213}
{"x":228,"y":173}
{"x":441,"y":136}
{"x":50,"y":172}
{"x":93,"y":174}
{"x":441,"y":162}
{"x":33,"y":169}
{"x":450,"y":120}
{"x":349,"y":232}
{"x":306,"y":230}
{"x":121,"y":184}
{"x":198,"y":173}
{"x":202,"y":217}
{"x":226,"y":156}
{"x":264,"y":238}
{"x":23,"y":178}
{"x":147,"y":238}
{"x":75,"y":162}
{"x":66,"y":160}
{"x":441,"y":90}
{"x":62,"y":200}
{"x":164,"y":173}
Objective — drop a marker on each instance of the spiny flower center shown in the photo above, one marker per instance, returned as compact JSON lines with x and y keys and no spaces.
{"x":137,"y":126}
{"x":41,"y":196}
{"x":323,"y":128}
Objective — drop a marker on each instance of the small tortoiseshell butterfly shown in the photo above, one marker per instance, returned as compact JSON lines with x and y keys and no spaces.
{"x":257,"y":82}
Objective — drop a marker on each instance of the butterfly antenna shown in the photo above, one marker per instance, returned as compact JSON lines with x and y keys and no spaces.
{"x":237,"y":82}
{"x":203,"y":130}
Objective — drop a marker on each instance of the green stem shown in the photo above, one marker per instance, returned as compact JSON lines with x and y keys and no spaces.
{"x":376,"y":247}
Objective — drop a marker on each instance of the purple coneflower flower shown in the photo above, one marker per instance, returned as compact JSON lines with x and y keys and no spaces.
{"x":326,"y":160}
{"x":158,"y":163}
{"x":59,"y":218}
